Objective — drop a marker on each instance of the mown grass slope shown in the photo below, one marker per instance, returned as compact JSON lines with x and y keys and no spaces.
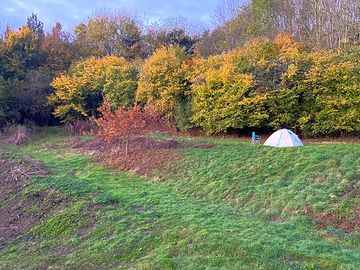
{"x":233,"y":206}
{"x":275,"y":181}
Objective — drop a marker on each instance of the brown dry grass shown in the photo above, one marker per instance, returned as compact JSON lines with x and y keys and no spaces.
{"x":145,"y":155}
{"x":15,"y":134}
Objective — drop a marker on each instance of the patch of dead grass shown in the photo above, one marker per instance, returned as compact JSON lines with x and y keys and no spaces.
{"x":145,"y":155}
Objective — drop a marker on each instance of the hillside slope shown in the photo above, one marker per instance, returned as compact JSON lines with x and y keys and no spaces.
{"x":231,"y":206}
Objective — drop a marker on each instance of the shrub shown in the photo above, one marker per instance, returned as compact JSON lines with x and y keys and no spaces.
{"x":226,"y":97}
{"x":277,"y":83}
{"x":331,"y":94}
{"x":123,"y":124}
{"x":80,"y":93}
{"x":15,"y":134}
{"x":80,"y":127}
{"x":164,"y":85}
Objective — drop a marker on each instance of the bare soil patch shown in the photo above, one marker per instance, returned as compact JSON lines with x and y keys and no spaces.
{"x":15,"y":174}
{"x":346,"y":224}
{"x":19,"y":212}
{"x":145,"y":155}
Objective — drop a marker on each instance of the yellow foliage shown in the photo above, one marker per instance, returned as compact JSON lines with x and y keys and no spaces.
{"x":13,"y":37}
{"x":111,"y":77}
{"x":164,"y":80}
{"x":218,"y":102}
{"x":332,"y":87}
{"x":291,"y":72}
{"x":287,"y":48}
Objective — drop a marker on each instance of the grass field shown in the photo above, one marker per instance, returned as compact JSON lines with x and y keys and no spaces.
{"x":231,"y":206}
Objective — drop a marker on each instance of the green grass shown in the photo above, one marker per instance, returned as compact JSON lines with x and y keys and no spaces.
{"x":259,"y":179}
{"x":234,"y":206}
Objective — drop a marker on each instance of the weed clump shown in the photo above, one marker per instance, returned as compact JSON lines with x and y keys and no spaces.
{"x":15,"y":134}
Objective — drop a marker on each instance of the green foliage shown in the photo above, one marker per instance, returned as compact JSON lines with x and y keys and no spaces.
{"x":25,"y":100}
{"x":165,"y":37}
{"x":3,"y":99}
{"x":284,"y":109}
{"x":183,"y":113}
{"x":18,"y":53}
{"x":30,"y":96}
{"x":120,"y":85}
{"x":81,"y":92}
{"x":109,"y":34}
{"x":331,"y":93}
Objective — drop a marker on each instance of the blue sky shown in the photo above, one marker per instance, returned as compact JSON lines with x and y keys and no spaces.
{"x":71,"y":12}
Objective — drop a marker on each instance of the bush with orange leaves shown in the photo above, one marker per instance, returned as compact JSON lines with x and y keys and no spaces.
{"x":123,"y":124}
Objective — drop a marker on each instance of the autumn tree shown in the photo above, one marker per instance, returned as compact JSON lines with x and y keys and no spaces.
{"x":58,"y":50}
{"x":221,"y":99}
{"x":164,"y":84}
{"x":80,"y":93}
{"x":109,"y":34}
{"x":275,"y":83}
{"x":249,"y":87}
{"x":157,"y":38}
{"x":320,"y":24}
{"x":18,"y":53}
{"x":27,"y":86}
{"x":331,"y":95}
{"x":35,"y":26}
{"x":126,"y":124}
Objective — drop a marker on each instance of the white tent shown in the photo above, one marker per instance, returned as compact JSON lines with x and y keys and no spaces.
{"x":283,"y":138}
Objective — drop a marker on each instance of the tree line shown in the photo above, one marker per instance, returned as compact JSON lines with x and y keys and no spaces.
{"x":265,"y":65}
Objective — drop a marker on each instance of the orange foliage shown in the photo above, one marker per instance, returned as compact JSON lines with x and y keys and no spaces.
{"x":125,"y":124}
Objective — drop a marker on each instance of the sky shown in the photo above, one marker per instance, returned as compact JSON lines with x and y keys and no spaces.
{"x":71,"y":12}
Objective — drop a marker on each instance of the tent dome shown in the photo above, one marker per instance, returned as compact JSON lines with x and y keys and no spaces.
{"x":283,"y":138}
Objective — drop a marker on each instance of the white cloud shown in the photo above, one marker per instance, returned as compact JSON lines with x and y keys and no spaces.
{"x":71,"y":12}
